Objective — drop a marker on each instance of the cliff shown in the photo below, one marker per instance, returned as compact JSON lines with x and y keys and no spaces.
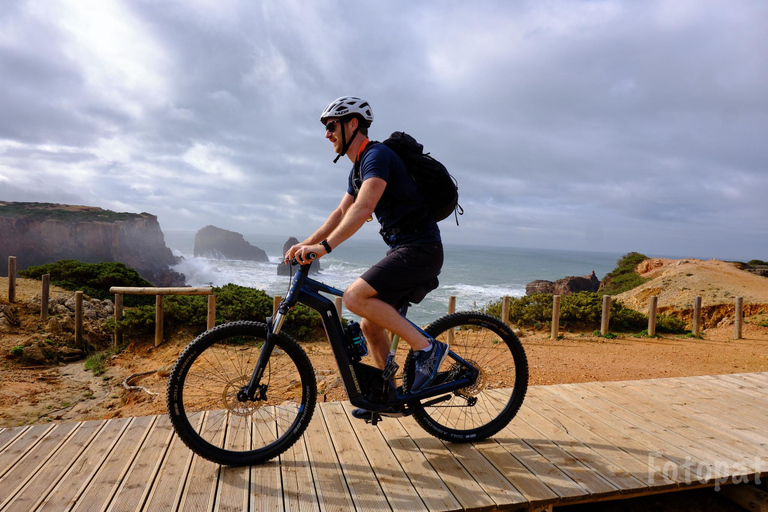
{"x":38,"y":233}
{"x":213,"y":242}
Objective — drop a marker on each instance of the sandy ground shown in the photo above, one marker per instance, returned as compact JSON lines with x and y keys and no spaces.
{"x":69,"y":392}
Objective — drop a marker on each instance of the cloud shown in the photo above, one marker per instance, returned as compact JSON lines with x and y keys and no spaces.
{"x":590,"y":125}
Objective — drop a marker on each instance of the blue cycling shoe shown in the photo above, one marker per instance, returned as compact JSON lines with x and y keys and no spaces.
{"x":427,"y":364}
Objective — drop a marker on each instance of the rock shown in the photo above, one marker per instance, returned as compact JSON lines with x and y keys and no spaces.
{"x":565,"y":286}
{"x":213,"y":242}
{"x":284,"y":269}
{"x":39,"y":233}
{"x":8,"y":320}
{"x":69,"y":355}
{"x":53,"y":327}
{"x":34,"y":355}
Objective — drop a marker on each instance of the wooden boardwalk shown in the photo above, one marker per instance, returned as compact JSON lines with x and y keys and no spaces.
{"x":569,"y":443}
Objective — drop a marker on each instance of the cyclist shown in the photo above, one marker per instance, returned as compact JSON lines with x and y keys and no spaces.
{"x":379,"y":183}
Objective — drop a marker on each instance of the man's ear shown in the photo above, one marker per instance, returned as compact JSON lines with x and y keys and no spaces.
{"x":353,"y":124}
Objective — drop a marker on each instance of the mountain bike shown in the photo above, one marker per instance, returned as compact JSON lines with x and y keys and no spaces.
{"x":242,"y":393}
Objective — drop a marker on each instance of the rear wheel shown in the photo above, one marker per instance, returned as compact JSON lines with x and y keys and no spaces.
{"x":482,"y":409}
{"x":203,"y":401}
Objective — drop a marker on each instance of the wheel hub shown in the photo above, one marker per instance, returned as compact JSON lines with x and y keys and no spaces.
{"x":232,"y":397}
{"x":479,"y":385}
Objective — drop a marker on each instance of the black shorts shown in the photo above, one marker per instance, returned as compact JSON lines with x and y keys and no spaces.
{"x":404,"y":269}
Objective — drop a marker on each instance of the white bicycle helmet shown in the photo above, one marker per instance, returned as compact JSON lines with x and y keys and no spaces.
{"x":347,"y":106}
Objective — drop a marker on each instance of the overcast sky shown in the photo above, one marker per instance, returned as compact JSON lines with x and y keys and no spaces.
{"x":585,"y":125}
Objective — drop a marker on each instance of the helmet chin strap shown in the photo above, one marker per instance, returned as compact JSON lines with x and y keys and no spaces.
{"x":344,"y":143}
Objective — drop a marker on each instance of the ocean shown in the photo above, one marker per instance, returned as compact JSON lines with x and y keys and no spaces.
{"x":475,"y":275}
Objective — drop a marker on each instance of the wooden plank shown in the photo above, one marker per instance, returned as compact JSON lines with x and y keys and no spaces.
{"x":200,"y":490}
{"x":432,"y":490}
{"x":331,"y":487}
{"x":139,"y":480}
{"x":665,"y":458}
{"x":461,"y":484}
{"x":550,"y":424}
{"x":20,"y":446}
{"x":166,"y":492}
{"x":266,"y":480}
{"x":8,"y":435}
{"x":298,"y":487}
{"x":234,"y":482}
{"x":690,"y":452}
{"x":398,"y":489}
{"x":721,"y":449}
{"x":603,"y":436}
{"x":590,"y":482}
{"x":187,"y":290}
{"x":103,"y":487}
{"x":57,"y":490}
{"x":361,"y":480}
{"x":728,"y":413}
{"x":27,"y":468}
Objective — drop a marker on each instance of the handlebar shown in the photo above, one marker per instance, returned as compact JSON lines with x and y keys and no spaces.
{"x":311,"y":256}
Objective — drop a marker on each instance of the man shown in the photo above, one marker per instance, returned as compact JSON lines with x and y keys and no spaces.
{"x":379,"y":183}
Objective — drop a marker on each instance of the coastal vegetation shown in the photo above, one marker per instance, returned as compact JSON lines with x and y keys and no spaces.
{"x":233,"y":302}
{"x":93,"y":279}
{"x":624,"y":277}
{"x":46,"y":211}
{"x":579,"y":311}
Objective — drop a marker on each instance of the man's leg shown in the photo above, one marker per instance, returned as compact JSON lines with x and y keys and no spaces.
{"x":378,"y":342}
{"x":361,"y":299}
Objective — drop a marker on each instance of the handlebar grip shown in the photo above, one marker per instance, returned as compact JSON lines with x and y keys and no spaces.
{"x":312,"y":256}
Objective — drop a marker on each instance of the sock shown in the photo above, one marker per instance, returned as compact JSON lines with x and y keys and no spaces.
{"x":426,"y":349}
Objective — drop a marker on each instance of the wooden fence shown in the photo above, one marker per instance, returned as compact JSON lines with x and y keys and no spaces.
{"x":160,"y":293}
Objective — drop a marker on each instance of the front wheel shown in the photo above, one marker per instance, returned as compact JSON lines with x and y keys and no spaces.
{"x":210,"y":417}
{"x":482,"y":409}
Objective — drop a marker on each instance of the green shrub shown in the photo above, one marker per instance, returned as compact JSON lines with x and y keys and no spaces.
{"x":93,"y":279}
{"x":670,"y":325}
{"x":233,"y":302}
{"x":581,"y":310}
{"x":624,"y":277}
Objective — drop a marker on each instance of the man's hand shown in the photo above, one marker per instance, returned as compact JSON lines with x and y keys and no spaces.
{"x":301,"y":253}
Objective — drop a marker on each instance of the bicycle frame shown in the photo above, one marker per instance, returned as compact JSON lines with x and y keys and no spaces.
{"x":356,"y":376}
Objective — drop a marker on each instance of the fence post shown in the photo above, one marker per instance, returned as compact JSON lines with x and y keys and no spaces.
{"x":739,"y":317}
{"x":79,"y":319}
{"x":158,"y":320}
{"x":44,"y":297}
{"x":555,"y":316}
{"x":11,"y":278}
{"x":652,"y":315}
{"x":276,"y":300}
{"x":697,"y":317}
{"x":339,"y":302}
{"x":211,"y":311}
{"x":118,"y":316}
{"x":505,"y":310}
{"x":606,"y":319}
{"x":451,"y":310}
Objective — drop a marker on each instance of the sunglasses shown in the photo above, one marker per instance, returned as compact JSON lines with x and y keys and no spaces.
{"x":331,"y":126}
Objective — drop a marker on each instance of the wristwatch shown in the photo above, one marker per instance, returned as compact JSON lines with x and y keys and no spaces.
{"x":326,"y":245}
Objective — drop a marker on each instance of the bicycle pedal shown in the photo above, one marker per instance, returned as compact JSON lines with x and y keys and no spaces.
{"x":389,"y":371}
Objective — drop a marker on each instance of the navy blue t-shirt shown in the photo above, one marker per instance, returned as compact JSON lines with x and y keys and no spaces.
{"x":401,"y":205}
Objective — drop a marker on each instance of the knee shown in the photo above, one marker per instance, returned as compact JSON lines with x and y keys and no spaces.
{"x":354,"y":297}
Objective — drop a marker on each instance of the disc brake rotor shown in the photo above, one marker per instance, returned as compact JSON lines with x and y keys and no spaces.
{"x":480,"y":383}
{"x":230,"y":401}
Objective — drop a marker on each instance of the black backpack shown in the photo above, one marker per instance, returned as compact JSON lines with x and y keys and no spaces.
{"x":435,"y":183}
